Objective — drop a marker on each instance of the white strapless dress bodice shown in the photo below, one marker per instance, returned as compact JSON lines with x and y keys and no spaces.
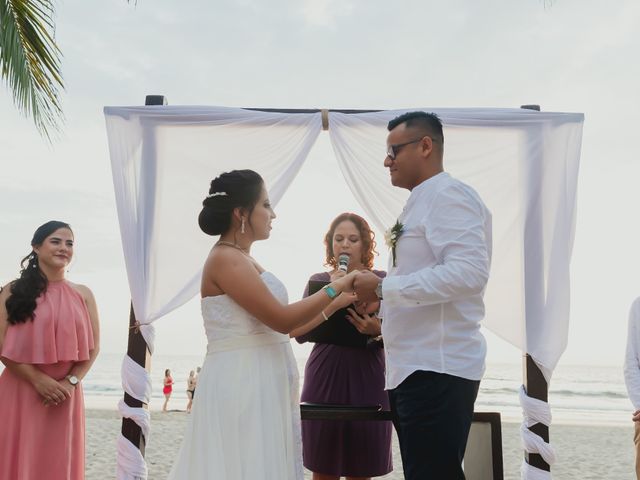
{"x":245,"y":420}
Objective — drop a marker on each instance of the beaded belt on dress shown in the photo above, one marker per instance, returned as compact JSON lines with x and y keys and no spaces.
{"x":248,"y":341}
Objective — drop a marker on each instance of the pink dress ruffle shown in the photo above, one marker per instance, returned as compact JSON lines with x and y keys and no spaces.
{"x":38,"y":441}
{"x":60,"y":331}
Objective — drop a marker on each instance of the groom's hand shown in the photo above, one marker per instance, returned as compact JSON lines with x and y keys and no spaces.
{"x":365,"y":286}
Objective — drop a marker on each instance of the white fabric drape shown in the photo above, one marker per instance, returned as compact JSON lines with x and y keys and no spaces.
{"x":523,"y":163}
{"x":162,"y":160}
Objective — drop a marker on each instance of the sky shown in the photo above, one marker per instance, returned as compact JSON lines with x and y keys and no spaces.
{"x":565,"y":55}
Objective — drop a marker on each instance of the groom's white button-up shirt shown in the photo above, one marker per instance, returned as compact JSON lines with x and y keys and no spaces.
{"x":433,"y":298}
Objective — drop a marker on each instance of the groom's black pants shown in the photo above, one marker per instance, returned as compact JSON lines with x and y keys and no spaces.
{"x":432,"y":414}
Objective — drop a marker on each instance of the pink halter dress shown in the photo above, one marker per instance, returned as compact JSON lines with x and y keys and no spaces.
{"x":38,"y":441}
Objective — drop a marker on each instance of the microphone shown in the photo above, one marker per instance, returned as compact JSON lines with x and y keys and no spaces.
{"x":343,"y":262}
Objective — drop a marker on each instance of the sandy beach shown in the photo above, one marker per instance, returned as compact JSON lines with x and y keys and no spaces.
{"x":584,"y":452}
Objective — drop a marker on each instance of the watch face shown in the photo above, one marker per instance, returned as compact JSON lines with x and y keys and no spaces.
{"x":73,"y":380}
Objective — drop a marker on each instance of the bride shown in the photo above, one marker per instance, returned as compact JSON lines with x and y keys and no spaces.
{"x":245,"y":421}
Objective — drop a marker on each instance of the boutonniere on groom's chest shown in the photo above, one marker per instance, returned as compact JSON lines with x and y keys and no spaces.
{"x":391,"y":237}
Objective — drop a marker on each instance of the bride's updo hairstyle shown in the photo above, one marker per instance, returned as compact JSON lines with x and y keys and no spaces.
{"x":237,"y":188}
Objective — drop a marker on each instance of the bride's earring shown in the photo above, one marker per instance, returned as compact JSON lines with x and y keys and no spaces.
{"x":242,"y":226}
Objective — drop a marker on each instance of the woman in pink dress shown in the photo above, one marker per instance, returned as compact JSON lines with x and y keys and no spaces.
{"x":167,"y":389}
{"x":49,"y":339}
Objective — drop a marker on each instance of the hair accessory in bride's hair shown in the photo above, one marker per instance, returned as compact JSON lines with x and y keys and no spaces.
{"x":217,"y":194}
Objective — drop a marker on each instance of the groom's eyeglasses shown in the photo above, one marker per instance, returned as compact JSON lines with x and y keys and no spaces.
{"x":393,"y":150}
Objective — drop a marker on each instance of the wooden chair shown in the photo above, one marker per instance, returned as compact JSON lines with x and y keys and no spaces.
{"x":483,"y":456}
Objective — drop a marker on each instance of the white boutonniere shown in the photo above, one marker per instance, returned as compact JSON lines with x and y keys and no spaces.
{"x":391,"y":237}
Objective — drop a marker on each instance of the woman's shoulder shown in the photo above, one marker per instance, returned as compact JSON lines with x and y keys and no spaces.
{"x":320,"y":276}
{"x":5,"y":291}
{"x":84,"y":291}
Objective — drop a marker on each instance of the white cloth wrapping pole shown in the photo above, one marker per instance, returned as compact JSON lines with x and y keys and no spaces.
{"x":135,"y":380}
{"x":140,"y":416}
{"x":137,"y":383}
{"x":131,"y":464}
{"x":528,"y":472}
{"x":535,"y":411}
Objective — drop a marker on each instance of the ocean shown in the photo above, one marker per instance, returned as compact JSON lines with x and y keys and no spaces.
{"x":593,"y":395}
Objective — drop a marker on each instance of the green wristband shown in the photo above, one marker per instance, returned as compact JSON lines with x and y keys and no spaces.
{"x":329,"y":290}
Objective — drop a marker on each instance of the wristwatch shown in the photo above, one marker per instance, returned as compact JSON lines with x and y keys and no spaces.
{"x":73,"y":380}
{"x":379,"y":290}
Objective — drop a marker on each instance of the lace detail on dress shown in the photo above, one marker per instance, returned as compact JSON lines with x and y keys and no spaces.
{"x":224,"y":318}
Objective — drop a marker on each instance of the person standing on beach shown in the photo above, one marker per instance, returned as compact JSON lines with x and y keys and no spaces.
{"x":632,"y":374}
{"x":191,"y":388}
{"x":195,"y":382}
{"x":167,"y":388}
{"x":433,"y":301}
{"x":49,"y":337}
{"x":245,"y":424}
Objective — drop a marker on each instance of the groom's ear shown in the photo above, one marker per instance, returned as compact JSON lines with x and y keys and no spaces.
{"x":426,"y":145}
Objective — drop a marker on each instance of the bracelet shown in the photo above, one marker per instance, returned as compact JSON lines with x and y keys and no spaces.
{"x":330,"y":291}
{"x":324,"y":315}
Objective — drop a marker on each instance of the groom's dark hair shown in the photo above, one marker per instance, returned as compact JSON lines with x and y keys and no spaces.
{"x":429,"y":123}
{"x":237,"y":188}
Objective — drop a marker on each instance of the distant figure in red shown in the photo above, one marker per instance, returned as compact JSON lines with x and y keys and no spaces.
{"x":168,"y":388}
{"x":49,"y":338}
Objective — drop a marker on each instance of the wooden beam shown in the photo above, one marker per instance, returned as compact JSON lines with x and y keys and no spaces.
{"x":137,"y":348}
{"x":536,"y":387}
{"x":138,"y":351}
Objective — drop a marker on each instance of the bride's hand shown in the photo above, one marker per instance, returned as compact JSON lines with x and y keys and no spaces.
{"x":345,"y":284}
{"x":343,"y":300}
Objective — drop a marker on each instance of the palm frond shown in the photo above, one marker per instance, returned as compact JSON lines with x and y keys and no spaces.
{"x":30,"y":61}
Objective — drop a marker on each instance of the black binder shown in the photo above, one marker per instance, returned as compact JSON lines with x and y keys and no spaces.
{"x":337,"y":330}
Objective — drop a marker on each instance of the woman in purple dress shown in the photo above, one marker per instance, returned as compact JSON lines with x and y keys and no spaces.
{"x":346,"y":375}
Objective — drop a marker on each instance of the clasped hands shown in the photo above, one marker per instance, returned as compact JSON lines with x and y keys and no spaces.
{"x":53,"y":391}
{"x":361,"y":294}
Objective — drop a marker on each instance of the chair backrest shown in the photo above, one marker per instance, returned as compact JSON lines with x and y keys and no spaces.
{"x":483,"y":455}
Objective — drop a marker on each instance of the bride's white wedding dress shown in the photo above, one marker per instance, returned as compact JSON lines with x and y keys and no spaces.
{"x":245,"y":420}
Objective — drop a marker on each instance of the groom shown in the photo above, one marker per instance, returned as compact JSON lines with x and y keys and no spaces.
{"x":433,"y":301}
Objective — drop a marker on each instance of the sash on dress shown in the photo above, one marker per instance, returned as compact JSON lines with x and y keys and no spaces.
{"x":247,"y":341}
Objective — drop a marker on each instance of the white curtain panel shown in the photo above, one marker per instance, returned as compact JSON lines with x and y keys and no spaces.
{"x":524,"y":164}
{"x":163,"y":159}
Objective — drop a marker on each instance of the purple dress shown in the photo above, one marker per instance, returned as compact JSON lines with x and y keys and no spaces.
{"x":346,"y":376}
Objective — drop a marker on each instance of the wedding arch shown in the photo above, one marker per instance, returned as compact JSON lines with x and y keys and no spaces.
{"x":523,"y":162}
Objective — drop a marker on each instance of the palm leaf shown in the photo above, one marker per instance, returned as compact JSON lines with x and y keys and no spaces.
{"x":30,"y":60}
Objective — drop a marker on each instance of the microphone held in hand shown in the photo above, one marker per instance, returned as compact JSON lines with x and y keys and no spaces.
{"x":343,"y":262}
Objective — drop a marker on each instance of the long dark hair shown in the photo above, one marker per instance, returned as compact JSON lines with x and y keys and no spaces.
{"x":32,"y":282}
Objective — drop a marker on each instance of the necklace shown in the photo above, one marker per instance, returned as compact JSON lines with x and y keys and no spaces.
{"x":229,"y":244}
